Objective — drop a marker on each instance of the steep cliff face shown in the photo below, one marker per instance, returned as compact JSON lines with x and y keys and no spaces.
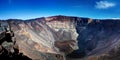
{"x":99,"y":34}
{"x":65,"y":28}
{"x":43,"y":39}
{"x":98,"y":39}
{"x":52,"y":38}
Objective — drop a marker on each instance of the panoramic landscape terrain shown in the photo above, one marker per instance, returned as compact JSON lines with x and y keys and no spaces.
{"x":59,"y":30}
{"x":60,"y":38}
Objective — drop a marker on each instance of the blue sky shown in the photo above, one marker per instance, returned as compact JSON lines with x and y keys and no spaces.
{"x":27,"y":9}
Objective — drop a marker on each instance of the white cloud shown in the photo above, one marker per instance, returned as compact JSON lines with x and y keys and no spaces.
{"x":104,"y":4}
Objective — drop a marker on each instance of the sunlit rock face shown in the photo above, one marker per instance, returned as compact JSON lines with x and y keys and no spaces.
{"x":45,"y":39}
{"x":65,"y":28}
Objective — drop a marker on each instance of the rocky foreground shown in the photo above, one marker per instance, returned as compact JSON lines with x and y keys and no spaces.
{"x":58,"y":37}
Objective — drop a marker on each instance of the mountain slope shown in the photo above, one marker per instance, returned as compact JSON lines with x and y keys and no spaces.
{"x":38,"y":40}
{"x":52,"y":38}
